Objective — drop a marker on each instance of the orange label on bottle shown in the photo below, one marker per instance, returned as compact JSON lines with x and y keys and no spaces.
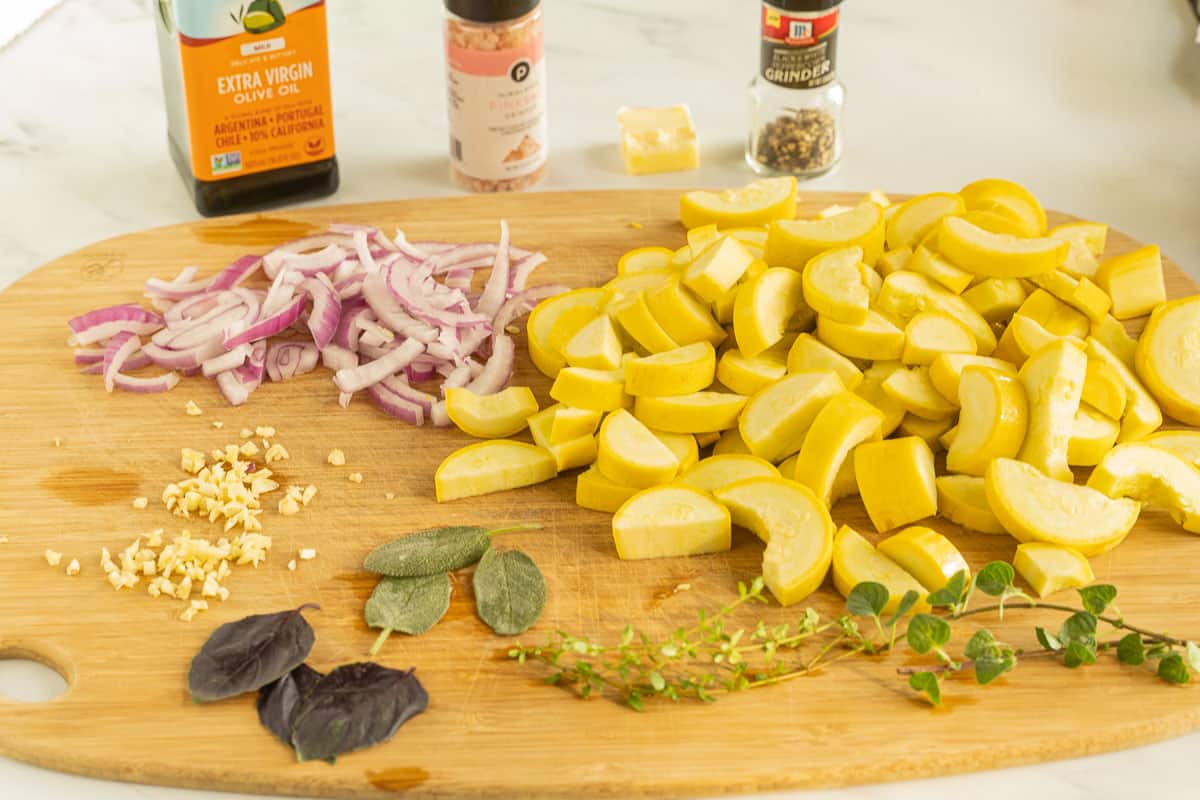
{"x":259,"y":99}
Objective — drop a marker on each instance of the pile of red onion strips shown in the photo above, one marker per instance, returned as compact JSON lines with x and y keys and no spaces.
{"x":393,"y":318}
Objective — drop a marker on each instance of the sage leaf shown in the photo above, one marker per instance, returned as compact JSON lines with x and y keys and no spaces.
{"x":434,"y":551}
{"x":1172,"y":669}
{"x":927,"y":684}
{"x":1097,"y":598}
{"x":246,"y":655}
{"x":278,"y":702}
{"x":867,"y":599}
{"x":1130,"y":650}
{"x":407,"y":605}
{"x":925,"y":632}
{"x":995,"y":578}
{"x":510,"y":591}
{"x":355,"y":706}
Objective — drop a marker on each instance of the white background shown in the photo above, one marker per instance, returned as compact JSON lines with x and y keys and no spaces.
{"x":1094,"y":104}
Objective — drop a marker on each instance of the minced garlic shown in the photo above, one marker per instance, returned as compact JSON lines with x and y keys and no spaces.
{"x":73,"y":568}
{"x":192,"y":410}
{"x":140,"y":503}
{"x":288,"y":506}
{"x":292,"y":565}
{"x":356,"y":477}
{"x":246,"y":433}
{"x":57,"y":441}
{"x":307,"y":553}
{"x":3,"y":540}
{"x":249,"y":449}
{"x":265,"y":431}
{"x":53,"y":558}
{"x":276,"y":452}
{"x":337,"y":458}
{"x":389,"y":495}
{"x":218,"y":424}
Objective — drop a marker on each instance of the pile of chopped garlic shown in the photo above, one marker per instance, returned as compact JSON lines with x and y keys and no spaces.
{"x":229,"y":487}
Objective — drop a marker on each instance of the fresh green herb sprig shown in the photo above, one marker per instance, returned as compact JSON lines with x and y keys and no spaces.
{"x":714,"y":656}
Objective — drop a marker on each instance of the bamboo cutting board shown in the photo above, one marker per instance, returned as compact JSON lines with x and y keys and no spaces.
{"x":491,"y":729}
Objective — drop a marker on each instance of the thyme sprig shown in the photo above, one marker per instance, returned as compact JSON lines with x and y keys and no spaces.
{"x":714,"y":656}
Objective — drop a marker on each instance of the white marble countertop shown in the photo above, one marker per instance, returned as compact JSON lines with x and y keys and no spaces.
{"x":1093,"y":106}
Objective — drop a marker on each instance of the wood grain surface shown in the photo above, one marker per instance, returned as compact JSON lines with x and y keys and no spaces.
{"x":492,"y":729}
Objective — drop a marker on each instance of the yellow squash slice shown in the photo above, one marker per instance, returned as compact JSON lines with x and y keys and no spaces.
{"x":1168,"y":358}
{"x":763,"y":308}
{"x":718,"y":471}
{"x":792,"y":243}
{"x":685,"y":317}
{"x":896,"y":481}
{"x":680,"y":371}
{"x":494,"y":466}
{"x":631,"y":455}
{"x":917,"y":217}
{"x":855,"y":561}
{"x":590,"y":389}
{"x":758,"y":203}
{"x":749,"y":376}
{"x":1053,"y":380}
{"x":699,"y":412}
{"x":809,"y":354}
{"x":962,"y":499}
{"x":844,"y":422}
{"x":926,"y":555}
{"x":991,"y":423}
{"x":1154,"y":477}
{"x":794,"y":524}
{"x":835,"y":287}
{"x":1035,"y":508}
{"x":670,"y":521}
{"x":594,"y":491}
{"x":775,"y":420}
{"x":491,"y":416}
{"x":1050,"y":568}
{"x":877,"y":339}
{"x":998,"y":255}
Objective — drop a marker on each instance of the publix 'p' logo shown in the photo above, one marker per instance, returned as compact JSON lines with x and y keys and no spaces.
{"x":261,"y":16}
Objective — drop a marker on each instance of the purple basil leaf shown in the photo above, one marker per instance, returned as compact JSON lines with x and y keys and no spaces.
{"x":278,"y":702}
{"x":353,"y":707}
{"x":246,"y":655}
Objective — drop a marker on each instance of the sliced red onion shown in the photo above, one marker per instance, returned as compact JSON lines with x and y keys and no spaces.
{"x":457,"y":377}
{"x":419,"y":372}
{"x":459,"y":279}
{"x":237,"y":272}
{"x":363,"y":249}
{"x":496,"y":288}
{"x":282,"y":291}
{"x":87,"y":356}
{"x":116,"y":353}
{"x":289,"y":359}
{"x":344,"y":398}
{"x":388,"y":311}
{"x":226,"y":361}
{"x":162,"y":383}
{"x":271,"y":326}
{"x":395,"y":406}
{"x":189,"y":359}
{"x":306,"y":248}
{"x":524,"y":302}
{"x":399,"y":387}
{"x":236,"y":393}
{"x":105,"y":323}
{"x":326,"y":309}
{"x":335,"y":358}
{"x":523,"y":269}
{"x":438,"y":415}
{"x":499,"y":367}
{"x":364,"y":375}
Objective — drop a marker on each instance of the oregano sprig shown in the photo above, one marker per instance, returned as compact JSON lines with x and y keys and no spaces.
{"x":715,"y":656}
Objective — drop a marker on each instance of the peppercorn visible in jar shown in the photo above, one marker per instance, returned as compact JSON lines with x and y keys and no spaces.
{"x":801,"y":141}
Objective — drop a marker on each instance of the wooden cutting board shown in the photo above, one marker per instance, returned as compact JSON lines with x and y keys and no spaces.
{"x":492,"y":729}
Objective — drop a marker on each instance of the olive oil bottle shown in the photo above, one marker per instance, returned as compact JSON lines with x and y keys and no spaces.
{"x":249,"y":115}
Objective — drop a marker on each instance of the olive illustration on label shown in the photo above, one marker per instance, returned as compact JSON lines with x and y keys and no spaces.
{"x":164,"y":12}
{"x":262,"y":16}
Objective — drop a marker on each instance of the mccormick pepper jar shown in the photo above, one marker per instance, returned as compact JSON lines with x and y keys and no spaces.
{"x":496,"y":93}
{"x":249,"y":117}
{"x":796,"y":98}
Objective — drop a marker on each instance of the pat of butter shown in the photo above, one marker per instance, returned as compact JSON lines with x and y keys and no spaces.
{"x":658,"y":140}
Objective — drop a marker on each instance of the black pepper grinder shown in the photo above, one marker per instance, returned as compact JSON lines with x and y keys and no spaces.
{"x":796,"y":98}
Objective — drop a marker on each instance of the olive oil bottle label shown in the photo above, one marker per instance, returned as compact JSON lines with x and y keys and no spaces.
{"x":799,"y":48}
{"x":247,"y":84}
